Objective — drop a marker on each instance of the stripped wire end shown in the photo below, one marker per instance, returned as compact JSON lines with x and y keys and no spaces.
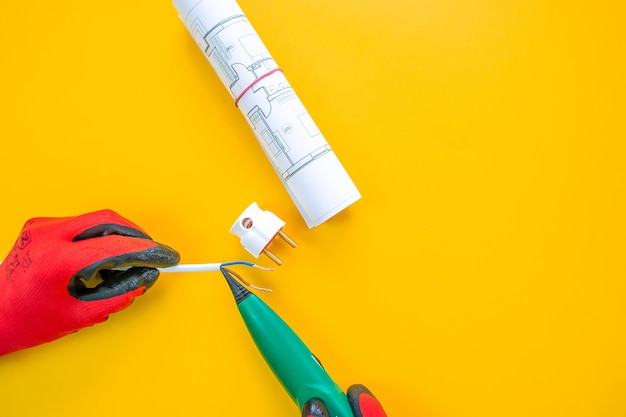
{"x":250,"y":264}
{"x":264,"y":268}
{"x":243,"y":281}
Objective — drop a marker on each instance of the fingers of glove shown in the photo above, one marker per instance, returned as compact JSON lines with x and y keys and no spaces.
{"x":98,"y":310}
{"x":111,"y":276}
{"x":137,"y":248}
{"x":114,"y":283}
{"x":106,"y":229}
{"x":363,"y":402}
{"x":118,"y":252}
{"x":314,"y":408}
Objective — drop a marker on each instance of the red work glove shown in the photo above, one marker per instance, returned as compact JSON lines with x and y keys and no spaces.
{"x":362,"y":401}
{"x":48,"y":281}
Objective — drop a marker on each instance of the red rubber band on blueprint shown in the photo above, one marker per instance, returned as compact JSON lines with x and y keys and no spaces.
{"x":245,"y":90}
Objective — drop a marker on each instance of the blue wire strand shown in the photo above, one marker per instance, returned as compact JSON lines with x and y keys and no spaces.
{"x":237,"y":263}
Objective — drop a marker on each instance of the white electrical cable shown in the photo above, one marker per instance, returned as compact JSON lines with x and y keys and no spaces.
{"x":210,"y":267}
{"x":192,"y":268}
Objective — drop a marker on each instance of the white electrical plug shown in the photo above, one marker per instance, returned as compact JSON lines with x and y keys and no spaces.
{"x":257,"y":229}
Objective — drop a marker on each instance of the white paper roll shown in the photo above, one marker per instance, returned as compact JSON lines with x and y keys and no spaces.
{"x":309,"y":169}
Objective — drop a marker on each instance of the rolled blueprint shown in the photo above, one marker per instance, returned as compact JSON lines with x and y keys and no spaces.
{"x":309,"y":169}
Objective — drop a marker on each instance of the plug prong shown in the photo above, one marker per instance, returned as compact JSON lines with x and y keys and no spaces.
{"x":287,"y":239}
{"x":272,"y":256}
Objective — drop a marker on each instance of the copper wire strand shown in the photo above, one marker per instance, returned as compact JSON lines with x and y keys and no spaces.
{"x":243,"y":281}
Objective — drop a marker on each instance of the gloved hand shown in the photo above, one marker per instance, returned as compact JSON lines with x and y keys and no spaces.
{"x":362,"y":402}
{"x":59,"y":277}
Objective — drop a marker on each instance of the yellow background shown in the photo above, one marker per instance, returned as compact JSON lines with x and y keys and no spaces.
{"x":482,"y":274}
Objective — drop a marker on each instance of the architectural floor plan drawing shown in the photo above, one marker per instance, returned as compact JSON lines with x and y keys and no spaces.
{"x":271,"y":118}
{"x":235,"y":51}
{"x":313,"y":176}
